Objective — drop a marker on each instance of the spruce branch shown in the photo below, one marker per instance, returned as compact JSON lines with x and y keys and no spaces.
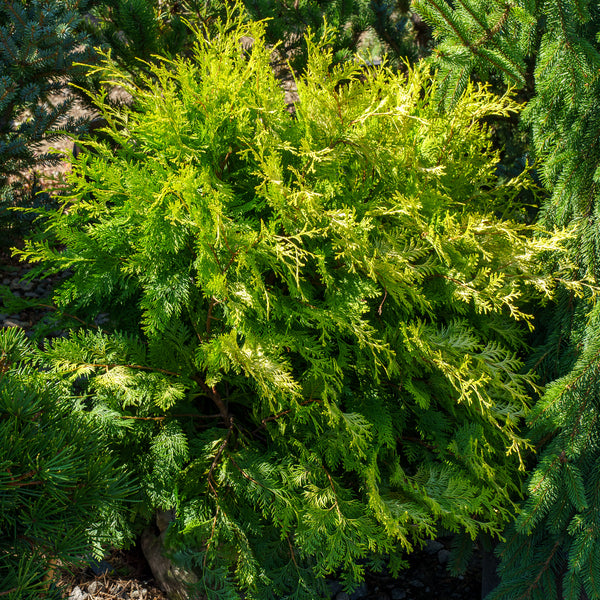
{"x":490,"y":33}
{"x":473,"y":14}
{"x":540,"y":497}
{"x":441,"y":10}
{"x":19,"y":484}
{"x":542,"y":571}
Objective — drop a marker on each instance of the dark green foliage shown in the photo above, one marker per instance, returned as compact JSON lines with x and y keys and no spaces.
{"x":561,"y":514}
{"x":60,"y":493}
{"x":378,"y":26}
{"x":350,"y":19}
{"x":136,"y":30}
{"x":40,"y":40}
{"x":313,"y":318}
{"x":374,"y":27}
{"x":551,"y":50}
{"x":482,"y":37}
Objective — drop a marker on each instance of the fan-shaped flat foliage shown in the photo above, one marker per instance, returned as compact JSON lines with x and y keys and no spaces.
{"x":315,"y":318}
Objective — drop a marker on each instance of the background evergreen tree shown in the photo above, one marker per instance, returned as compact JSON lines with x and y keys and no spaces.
{"x":42,"y":43}
{"x":40,"y":40}
{"x":550,"y":50}
{"x":380,"y":26}
{"x":60,"y":493}
{"x":314,"y":319}
{"x":135,"y":30}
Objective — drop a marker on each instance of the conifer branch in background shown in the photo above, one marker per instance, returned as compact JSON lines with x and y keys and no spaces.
{"x":40,"y":42}
{"x":61,"y":494}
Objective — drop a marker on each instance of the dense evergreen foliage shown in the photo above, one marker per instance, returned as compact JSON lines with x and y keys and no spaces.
{"x":43,"y":44}
{"x":551,"y":49}
{"x":377,"y":26}
{"x":60,"y":493}
{"x":313,"y":319}
{"x":136,"y":30}
{"x":39,"y":43}
{"x":313,"y":330}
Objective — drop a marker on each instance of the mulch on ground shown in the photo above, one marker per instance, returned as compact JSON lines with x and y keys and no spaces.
{"x":124,"y":575}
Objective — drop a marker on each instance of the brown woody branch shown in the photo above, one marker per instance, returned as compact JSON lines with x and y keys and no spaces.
{"x":214,"y":395}
{"x":248,"y":477}
{"x":266,"y":420}
{"x":218,"y":458}
{"x":175,"y":416}
{"x":109,"y":366}
{"x":337,"y":506}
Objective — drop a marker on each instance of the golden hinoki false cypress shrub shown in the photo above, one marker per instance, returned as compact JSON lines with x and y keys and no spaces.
{"x":315,"y":318}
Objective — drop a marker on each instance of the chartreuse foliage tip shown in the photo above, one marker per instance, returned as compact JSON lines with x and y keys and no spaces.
{"x":315,"y":318}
